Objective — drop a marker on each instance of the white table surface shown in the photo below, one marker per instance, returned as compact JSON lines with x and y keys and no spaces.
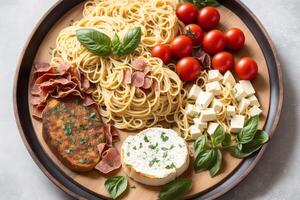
{"x":277,"y":176}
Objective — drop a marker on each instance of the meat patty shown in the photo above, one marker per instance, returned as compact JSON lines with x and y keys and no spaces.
{"x":73,"y":132}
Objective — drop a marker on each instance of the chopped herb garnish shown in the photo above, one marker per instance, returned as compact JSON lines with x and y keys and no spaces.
{"x":82,"y":161}
{"x":152,"y":162}
{"x":81,"y":127}
{"x":69,"y":150}
{"x":171,"y":147}
{"x":180,"y":145}
{"x":165,"y":154}
{"x":128,"y":154}
{"x":68,"y":127}
{"x":57,"y":141}
{"x":134,"y":147}
{"x":152,"y":146}
{"x":171,"y":166}
{"x":146,"y":138}
{"x":72,"y":113}
{"x":64,"y":108}
{"x":164,"y":148}
{"x":164,"y":137}
{"x":83,"y":140}
{"x":55,"y":110}
{"x":92,"y":116}
{"x":198,"y":114}
{"x":141,"y":145}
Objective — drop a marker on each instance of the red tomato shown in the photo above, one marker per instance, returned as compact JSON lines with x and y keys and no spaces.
{"x":163,"y":52}
{"x":223,"y":61}
{"x":213,"y":42}
{"x":195,"y":32}
{"x":208,"y":18}
{"x":188,"y":69}
{"x":187,"y":13}
{"x":235,"y":39}
{"x":181,"y":46}
{"x":246,"y":68}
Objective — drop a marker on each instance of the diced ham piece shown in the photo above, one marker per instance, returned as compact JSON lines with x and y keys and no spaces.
{"x":138,"y":79}
{"x":127,"y":77}
{"x":138,"y":64}
{"x":147,"y":83}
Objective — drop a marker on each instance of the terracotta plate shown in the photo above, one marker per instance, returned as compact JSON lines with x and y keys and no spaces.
{"x":91,"y":185}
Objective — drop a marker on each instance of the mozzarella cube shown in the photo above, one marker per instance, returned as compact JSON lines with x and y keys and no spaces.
{"x":239,"y":92}
{"x":247,"y":87}
{"x":217,"y":105}
{"x":255,"y":111}
{"x":195,"y":132}
{"x":194,"y":92}
{"x":230,"y":111}
{"x":254,"y":101}
{"x":212,"y":127}
{"x":214,"y":75}
{"x":201,"y":125}
{"x":189,"y":109}
{"x":237,"y":123}
{"x":228,"y":79}
{"x":208,"y":115}
{"x":243,"y":105}
{"x":213,"y":87}
{"x":204,"y":99}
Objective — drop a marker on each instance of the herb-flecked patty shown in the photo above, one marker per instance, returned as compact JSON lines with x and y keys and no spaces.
{"x":73,"y":132}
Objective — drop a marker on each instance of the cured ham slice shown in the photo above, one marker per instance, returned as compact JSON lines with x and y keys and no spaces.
{"x":111,"y":160}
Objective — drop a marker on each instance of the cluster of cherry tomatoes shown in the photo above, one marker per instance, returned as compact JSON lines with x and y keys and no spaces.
{"x":212,"y":42}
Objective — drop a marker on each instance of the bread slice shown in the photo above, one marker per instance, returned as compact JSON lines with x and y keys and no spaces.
{"x":155,"y":156}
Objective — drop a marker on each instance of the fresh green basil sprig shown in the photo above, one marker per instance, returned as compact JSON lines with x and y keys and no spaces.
{"x":202,"y":3}
{"x":175,"y":190}
{"x":116,"y":185}
{"x":208,"y":155}
{"x":101,"y":44}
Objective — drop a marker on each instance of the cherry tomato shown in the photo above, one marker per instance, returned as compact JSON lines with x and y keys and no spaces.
{"x":195,"y":32}
{"x":163,"y":52}
{"x":213,"y":42}
{"x":208,"y":18}
{"x":246,"y":68}
{"x":187,"y":13}
{"x":188,"y":69}
{"x":181,"y":46}
{"x":223,"y":61}
{"x":235,"y":39}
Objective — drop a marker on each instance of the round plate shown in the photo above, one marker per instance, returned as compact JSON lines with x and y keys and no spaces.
{"x":268,"y":86}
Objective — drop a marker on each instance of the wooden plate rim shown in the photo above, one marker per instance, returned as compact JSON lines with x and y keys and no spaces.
{"x":55,"y":11}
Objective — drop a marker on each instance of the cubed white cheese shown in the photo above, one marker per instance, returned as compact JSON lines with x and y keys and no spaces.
{"x":237,"y":123}
{"x":214,"y":75}
{"x":230,"y":111}
{"x":195,"y":132}
{"x":247,"y":87}
{"x":228,"y":79}
{"x":243,"y":105}
{"x":239,"y":92}
{"x":255,"y":111}
{"x":204,"y":99}
{"x":208,"y":114}
{"x":212,"y":128}
{"x":217,"y":105}
{"x":254,"y":101}
{"x":189,"y":109}
{"x":201,"y":125}
{"x":213,"y":87}
{"x":194,"y":92}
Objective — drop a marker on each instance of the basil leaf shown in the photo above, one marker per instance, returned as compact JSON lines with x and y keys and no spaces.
{"x":213,"y":171}
{"x":95,"y":41}
{"x":248,"y":132}
{"x":200,"y":144}
{"x":236,"y":152}
{"x":131,"y":41}
{"x":189,"y":1}
{"x":175,"y":190}
{"x":204,"y":160}
{"x":197,"y":3}
{"x":260,"y":138}
{"x":116,"y":185}
{"x":218,"y":136}
{"x":227,"y":140}
{"x":116,"y":44}
{"x":213,"y":3}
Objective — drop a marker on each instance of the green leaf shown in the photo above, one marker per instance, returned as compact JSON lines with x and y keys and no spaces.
{"x":204,"y":160}
{"x":235,"y":152}
{"x":95,"y":41}
{"x":200,"y":144}
{"x":260,"y":138}
{"x":217,"y":165}
{"x":116,"y":44}
{"x":248,"y":132}
{"x":175,"y":190}
{"x":218,"y":136}
{"x":197,"y":3}
{"x":116,"y":185}
{"x":131,"y":41}
{"x":213,"y":3}
{"x":189,"y":1}
{"x":227,"y":140}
